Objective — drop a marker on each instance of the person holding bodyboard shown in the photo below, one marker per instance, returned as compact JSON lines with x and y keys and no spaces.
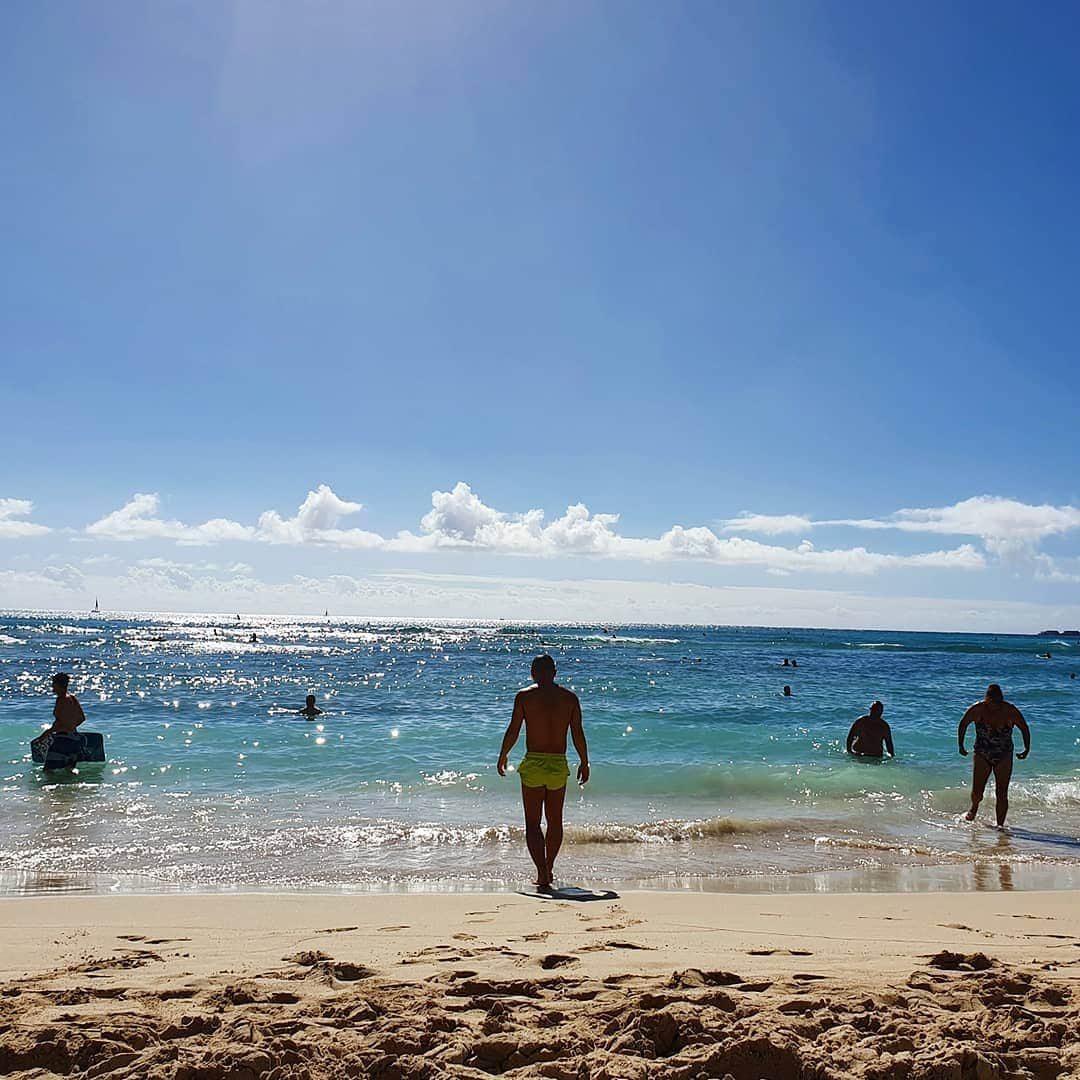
{"x":62,"y":745}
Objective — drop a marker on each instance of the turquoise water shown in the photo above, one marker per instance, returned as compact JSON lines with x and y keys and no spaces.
{"x":702,"y":771}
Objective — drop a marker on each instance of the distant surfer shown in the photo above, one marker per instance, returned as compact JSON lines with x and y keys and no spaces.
{"x":548,"y":711}
{"x":310,"y":710}
{"x":994,"y":718}
{"x":870,"y":736}
{"x":254,"y":639}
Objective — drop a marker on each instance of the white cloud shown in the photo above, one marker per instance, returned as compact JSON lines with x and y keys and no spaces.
{"x":137,"y":520}
{"x":768,"y":524}
{"x":48,"y":580}
{"x":988,"y":517}
{"x":12,"y":527}
{"x":316,"y":522}
{"x":460,"y":520}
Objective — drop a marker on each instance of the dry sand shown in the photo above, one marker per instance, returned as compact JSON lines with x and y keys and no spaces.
{"x":681,"y":985}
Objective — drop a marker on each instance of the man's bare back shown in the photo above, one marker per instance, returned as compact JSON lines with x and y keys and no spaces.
{"x":547,"y":712}
{"x":870,"y":735}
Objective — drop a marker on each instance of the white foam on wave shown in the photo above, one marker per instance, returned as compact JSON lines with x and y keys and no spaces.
{"x":620,"y":640}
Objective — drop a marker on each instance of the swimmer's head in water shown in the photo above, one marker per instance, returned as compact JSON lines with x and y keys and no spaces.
{"x":993,"y":693}
{"x":876,"y":708}
{"x":787,"y":691}
{"x":543,"y":668}
{"x":60,"y":682}
{"x":310,"y":699}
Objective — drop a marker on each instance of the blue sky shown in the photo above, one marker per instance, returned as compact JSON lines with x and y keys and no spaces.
{"x":675,"y":262}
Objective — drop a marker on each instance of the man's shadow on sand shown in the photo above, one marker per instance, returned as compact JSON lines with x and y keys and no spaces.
{"x":569,"y":892}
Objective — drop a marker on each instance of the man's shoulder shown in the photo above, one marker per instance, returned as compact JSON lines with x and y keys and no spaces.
{"x":568,"y":694}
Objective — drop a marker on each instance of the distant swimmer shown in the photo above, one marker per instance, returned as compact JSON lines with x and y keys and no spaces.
{"x":310,"y":710}
{"x":787,"y":691}
{"x":794,"y":663}
{"x":254,"y":639}
{"x":870,"y":736}
{"x":994,"y":718}
{"x":548,"y":711}
{"x":786,"y":663}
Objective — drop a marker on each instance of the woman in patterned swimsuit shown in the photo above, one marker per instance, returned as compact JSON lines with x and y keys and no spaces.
{"x":994,"y":718}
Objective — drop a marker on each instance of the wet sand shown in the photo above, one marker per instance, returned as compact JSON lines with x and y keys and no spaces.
{"x":652,"y":984}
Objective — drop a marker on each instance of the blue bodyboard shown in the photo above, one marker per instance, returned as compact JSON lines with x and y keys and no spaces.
{"x":62,"y":751}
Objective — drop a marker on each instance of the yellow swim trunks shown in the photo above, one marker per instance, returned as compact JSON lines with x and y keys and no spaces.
{"x":544,"y":770}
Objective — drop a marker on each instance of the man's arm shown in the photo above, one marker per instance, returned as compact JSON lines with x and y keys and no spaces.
{"x":513,"y":730}
{"x":78,"y":709}
{"x":577,"y":733}
{"x":888,"y":741}
{"x":961,"y":731}
{"x":852,"y":733}
{"x":1025,"y":731}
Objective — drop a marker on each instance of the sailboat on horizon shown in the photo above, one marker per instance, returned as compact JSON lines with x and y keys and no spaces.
{"x":97,"y":607}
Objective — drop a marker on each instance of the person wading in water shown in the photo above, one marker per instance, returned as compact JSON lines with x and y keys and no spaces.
{"x":994,"y":718}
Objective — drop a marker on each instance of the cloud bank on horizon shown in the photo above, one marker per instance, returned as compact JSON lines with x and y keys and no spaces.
{"x":459,"y":520}
{"x":992,"y":531}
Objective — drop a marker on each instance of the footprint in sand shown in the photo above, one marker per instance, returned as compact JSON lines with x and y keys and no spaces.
{"x":603,"y":946}
{"x":773,"y":952}
{"x":338,"y":930}
{"x":461,"y":937}
{"x":953,"y":961}
{"x":968,"y":929}
{"x":391,"y":929}
{"x":555,"y":960}
{"x":447,"y":954}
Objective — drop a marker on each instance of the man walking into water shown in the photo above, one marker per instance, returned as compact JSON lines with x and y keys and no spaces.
{"x":548,"y":712}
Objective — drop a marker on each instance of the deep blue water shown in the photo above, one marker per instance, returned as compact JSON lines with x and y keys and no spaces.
{"x":701,"y":768}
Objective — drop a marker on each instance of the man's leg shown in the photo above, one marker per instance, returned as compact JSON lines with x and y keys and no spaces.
{"x":1002,"y":775}
{"x":980,"y":773}
{"x":553,"y":806}
{"x":532,"y":799}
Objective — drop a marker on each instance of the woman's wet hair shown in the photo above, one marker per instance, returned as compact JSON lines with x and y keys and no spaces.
{"x":61,"y":678}
{"x":993,"y":693}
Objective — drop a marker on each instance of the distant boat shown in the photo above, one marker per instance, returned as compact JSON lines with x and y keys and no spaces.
{"x":97,"y":608}
{"x":327,"y":613}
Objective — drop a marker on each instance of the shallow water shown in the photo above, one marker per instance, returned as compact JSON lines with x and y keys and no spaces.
{"x":703,"y":774}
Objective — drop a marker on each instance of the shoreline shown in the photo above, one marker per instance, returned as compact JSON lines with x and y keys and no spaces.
{"x":646,"y":985}
{"x":976,"y":876}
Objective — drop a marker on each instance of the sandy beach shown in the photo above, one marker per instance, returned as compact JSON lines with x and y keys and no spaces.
{"x":650,"y":984}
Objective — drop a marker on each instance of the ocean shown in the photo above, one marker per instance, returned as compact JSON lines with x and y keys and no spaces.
{"x":704,"y":775}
